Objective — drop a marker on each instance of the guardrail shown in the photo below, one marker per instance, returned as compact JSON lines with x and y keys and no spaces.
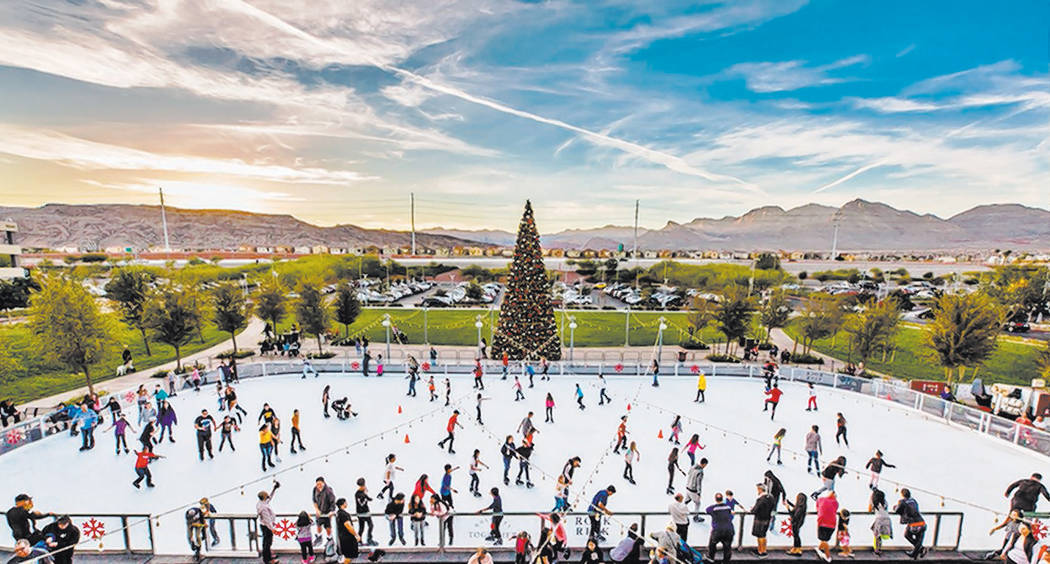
{"x":985,"y":423}
{"x":135,"y":532}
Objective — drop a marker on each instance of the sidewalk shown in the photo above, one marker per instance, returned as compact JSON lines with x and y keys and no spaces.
{"x":246,"y":339}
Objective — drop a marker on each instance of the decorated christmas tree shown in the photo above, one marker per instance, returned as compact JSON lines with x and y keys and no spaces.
{"x":526,"y":318}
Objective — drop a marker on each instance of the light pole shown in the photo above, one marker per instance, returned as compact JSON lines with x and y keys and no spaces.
{"x":479,"y":325}
{"x":572,"y":337}
{"x":660,"y":340}
{"x":426,"y":338}
{"x":627,"y":327}
{"x":386,"y":324}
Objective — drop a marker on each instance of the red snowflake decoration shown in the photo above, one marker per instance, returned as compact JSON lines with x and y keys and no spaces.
{"x":284,"y":529}
{"x":425,"y":366}
{"x":1038,"y":529}
{"x":129,"y":396}
{"x":14,"y":436}
{"x":785,"y":528}
{"x":355,"y":365}
{"x":618,"y":367}
{"x":93,"y":528}
{"x":694,"y":369}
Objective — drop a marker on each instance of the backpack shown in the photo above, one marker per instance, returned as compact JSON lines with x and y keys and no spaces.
{"x":622,"y":550}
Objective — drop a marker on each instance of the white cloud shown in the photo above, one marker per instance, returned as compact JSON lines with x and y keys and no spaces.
{"x":790,"y":75}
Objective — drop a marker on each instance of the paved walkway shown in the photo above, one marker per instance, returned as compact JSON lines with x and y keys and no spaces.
{"x":246,"y":339}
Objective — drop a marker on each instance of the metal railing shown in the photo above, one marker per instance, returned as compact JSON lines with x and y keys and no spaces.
{"x":135,"y":534}
{"x":239,"y":534}
{"x":1028,"y":438}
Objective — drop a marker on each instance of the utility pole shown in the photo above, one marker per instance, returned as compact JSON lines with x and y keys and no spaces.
{"x":164,"y":221}
{"x":635,"y":252}
{"x":412,"y":215}
{"x":835,"y":237}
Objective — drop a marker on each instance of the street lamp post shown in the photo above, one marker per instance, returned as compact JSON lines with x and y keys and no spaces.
{"x":386,"y":324}
{"x":572,"y":337}
{"x":426,"y":339}
{"x":479,"y":325}
{"x":660,"y":340}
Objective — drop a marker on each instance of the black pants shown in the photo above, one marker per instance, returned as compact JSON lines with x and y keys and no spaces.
{"x":724,"y":538}
{"x":447,"y":524}
{"x":915,"y":536}
{"x":523,"y":466}
{"x":363,"y":523}
{"x":147,"y":444}
{"x":297,"y":437}
{"x":475,"y":481}
{"x":795,"y":540}
{"x":603,"y":397}
{"x":204,"y":444}
{"x":620,"y":443}
{"x":226,"y":437}
{"x":628,"y":472}
{"x":550,"y":415}
{"x":122,"y":439}
{"x":447,"y":498}
{"x":579,"y":401}
{"x":267,"y":544}
{"x":326,"y":409}
{"x":87,"y":435}
{"x":451,"y":438}
{"x":496,"y":520}
{"x":306,"y":548}
{"x":700,"y":396}
{"x":388,"y":486}
{"x":144,"y":474}
{"x":682,"y":530}
{"x":841,"y":433}
{"x":506,"y":467}
{"x":479,"y":415}
{"x":596,"y":525}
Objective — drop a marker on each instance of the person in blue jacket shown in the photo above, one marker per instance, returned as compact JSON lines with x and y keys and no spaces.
{"x":722,"y":531}
{"x":88,"y":420}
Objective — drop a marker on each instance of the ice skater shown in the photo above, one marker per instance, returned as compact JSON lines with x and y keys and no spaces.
{"x":167,"y":419}
{"x":120,"y":428}
{"x":453,"y":422}
{"x":621,"y":435}
{"x":548,"y":405}
{"x":915,"y":524}
{"x":411,"y":377}
{"x":530,"y":372}
{"x":778,"y":440}
{"x":655,"y":369}
{"x":266,"y":447}
{"x":835,"y":469}
{"x":446,"y":490}
{"x":672,"y":465}
{"x":232,"y":406}
{"x":325,"y":398}
{"x":691,"y":447}
{"x":579,"y":398}
{"x":296,"y":434}
{"x":544,"y":369}
{"x":518,"y":393}
{"x":226,"y":429}
{"x":840,"y":423}
{"x":148,"y":436}
{"x":342,"y":408}
{"x":811,"y":404}
{"x":603,"y":396}
{"x":701,"y":387}
{"x":308,"y":368}
{"x":523,"y":453}
{"x":813,"y":449}
{"x":496,"y":508}
{"x":478,"y":407}
{"x":389,"y":473}
{"x":479,"y":372}
{"x":676,"y":429}
{"x":508,"y":451}
{"x":505,"y":361}
{"x":772,"y":398}
{"x":629,"y":458}
{"x":526,"y":427}
{"x":142,"y":460}
{"x":476,"y":464}
{"x":448,"y":391}
{"x":432,"y":388}
{"x":204,"y":424}
{"x":876,"y":464}
{"x":364,"y":514}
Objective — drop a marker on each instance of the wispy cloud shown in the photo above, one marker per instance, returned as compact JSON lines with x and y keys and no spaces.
{"x":791,"y":75}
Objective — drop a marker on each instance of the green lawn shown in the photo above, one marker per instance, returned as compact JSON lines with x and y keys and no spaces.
{"x":1013,"y":362}
{"x":39,"y":378}
{"x":456,"y":327}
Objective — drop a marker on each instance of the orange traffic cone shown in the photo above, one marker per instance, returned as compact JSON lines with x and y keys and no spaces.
{"x":660,"y":434}
{"x":406,"y":439}
{"x":399,"y":410}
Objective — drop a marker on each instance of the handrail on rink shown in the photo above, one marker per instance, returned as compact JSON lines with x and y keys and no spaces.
{"x":136,"y":532}
{"x":894,"y":391}
{"x":239,"y":534}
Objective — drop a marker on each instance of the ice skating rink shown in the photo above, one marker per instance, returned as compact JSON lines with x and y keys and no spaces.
{"x":930,"y":456}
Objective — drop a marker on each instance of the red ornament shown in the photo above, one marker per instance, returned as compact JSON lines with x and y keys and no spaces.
{"x":618,"y":367}
{"x":284,"y":529}
{"x":355,"y":365}
{"x":425,"y":366}
{"x":694,"y":369}
{"x":14,"y":436}
{"x":1038,"y":529}
{"x":93,"y":528}
{"x":129,"y":396}
{"x":785,"y":528}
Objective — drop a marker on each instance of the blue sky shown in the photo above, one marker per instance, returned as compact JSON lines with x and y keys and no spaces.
{"x":335,"y":111}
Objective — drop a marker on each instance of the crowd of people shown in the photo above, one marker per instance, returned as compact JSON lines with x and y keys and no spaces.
{"x":331,"y":528}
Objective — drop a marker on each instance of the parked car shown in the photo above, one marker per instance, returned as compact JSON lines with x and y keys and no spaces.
{"x":1017,"y":327}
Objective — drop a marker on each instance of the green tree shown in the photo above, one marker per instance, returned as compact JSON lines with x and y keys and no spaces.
{"x":347,"y":308}
{"x":1044,"y":361}
{"x":312,"y":312}
{"x":701,"y":314}
{"x":767,"y":261}
{"x":526,"y":317}
{"x":10,"y":365}
{"x":733,"y":314}
{"x":820,"y":317}
{"x":14,"y":293}
{"x":964,"y":331}
{"x":775,"y":312}
{"x":130,"y":289}
{"x":474,"y":291}
{"x":873,"y":330}
{"x":68,"y":326}
{"x":230,"y":310}
{"x":270,"y":303}
{"x":172,"y":317}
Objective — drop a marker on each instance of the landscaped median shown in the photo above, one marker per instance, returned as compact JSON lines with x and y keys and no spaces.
{"x":1014,"y":361}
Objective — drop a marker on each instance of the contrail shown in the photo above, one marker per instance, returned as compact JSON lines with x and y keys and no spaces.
{"x":667,"y":160}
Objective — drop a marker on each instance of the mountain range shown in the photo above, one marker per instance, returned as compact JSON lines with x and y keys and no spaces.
{"x":862,"y":226}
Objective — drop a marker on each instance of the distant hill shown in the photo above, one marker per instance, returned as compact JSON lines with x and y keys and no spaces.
{"x":863,"y":226}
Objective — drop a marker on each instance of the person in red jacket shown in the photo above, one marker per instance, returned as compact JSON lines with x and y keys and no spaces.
{"x":772,"y":398}
{"x":827,"y":519}
{"x":142,"y":461}
{"x":451,"y":428}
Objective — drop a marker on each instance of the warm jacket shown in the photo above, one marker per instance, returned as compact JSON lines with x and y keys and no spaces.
{"x":694,"y":479}
{"x":1027,"y":495}
{"x":764,"y":507}
{"x":827,"y":511}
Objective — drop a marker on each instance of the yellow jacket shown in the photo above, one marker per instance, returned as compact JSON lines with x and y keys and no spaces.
{"x":265,"y":437}
{"x":701,"y":382}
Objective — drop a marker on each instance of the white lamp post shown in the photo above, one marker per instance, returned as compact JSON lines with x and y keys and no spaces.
{"x":479,"y":325}
{"x":660,"y":340}
{"x":572,"y":337}
{"x":386,"y":324}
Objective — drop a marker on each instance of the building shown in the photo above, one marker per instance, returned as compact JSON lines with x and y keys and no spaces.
{"x":10,"y":252}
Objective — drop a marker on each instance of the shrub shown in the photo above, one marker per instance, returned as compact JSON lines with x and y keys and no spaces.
{"x":806,"y":358}
{"x":723,"y":358}
{"x":321,"y":356}
{"x":242,"y":353}
{"x":694,"y":345}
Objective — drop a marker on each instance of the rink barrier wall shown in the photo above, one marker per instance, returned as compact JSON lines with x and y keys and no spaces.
{"x":135,"y":533}
{"x":1028,"y":439}
{"x":239,"y":533}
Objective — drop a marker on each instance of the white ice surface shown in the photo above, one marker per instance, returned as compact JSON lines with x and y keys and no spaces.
{"x":929,"y":454}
